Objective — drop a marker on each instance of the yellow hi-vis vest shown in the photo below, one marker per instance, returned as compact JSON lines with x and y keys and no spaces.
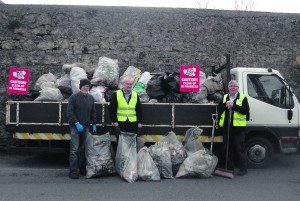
{"x":238,"y":118}
{"x":126,"y":110}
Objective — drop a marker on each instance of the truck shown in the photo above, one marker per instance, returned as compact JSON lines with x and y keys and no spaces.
{"x":273,"y":126}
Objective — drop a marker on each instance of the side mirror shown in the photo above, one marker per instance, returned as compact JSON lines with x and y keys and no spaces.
{"x":289,"y":114}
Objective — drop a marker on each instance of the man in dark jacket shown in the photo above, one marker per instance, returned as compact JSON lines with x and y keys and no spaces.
{"x":233,"y":111}
{"x":81,"y":114}
{"x":125,"y":109}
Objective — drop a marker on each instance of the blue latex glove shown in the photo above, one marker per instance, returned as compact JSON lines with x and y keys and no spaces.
{"x":79,"y":127}
{"x":94,"y":129}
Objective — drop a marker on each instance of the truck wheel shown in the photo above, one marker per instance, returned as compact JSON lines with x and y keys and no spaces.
{"x":259,"y":152}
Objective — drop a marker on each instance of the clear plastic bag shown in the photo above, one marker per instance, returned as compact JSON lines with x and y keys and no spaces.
{"x":98,"y":156}
{"x":107,"y":73}
{"x":162,"y":158}
{"x":147,"y":170}
{"x":126,"y":157}
{"x":191,"y":140}
{"x":200,"y":164}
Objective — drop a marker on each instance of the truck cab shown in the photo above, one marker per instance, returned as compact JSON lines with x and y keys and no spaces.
{"x":274,"y":114}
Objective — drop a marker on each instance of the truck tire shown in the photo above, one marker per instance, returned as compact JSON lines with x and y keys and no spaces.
{"x":259,"y":152}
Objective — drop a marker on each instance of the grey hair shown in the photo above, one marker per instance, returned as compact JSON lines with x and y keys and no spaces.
{"x":233,"y":82}
{"x":127,"y":77}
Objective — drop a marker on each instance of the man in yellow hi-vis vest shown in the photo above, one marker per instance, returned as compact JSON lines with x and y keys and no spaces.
{"x":125,"y":109}
{"x":233,"y":111}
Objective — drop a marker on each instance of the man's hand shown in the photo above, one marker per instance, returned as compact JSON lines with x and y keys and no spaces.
{"x":229,"y":104}
{"x":79,"y":127}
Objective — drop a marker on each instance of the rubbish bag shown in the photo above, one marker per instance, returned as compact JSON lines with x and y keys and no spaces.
{"x":214,"y":84}
{"x":156,"y":88}
{"x":98,"y":92}
{"x":64,"y":84}
{"x":173,"y":82}
{"x":76,"y":75}
{"x":200,"y":164}
{"x":98,"y":156}
{"x":44,"y":78}
{"x":126,"y":157}
{"x":162,"y":158}
{"x":191,"y":140}
{"x":49,"y":93}
{"x":177,"y":151}
{"x":133,"y":72}
{"x":107,"y":73}
{"x":147,"y":170}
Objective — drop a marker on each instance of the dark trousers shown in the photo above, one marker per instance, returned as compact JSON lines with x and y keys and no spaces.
{"x":77,"y":157}
{"x":127,"y":126}
{"x":236,"y":149}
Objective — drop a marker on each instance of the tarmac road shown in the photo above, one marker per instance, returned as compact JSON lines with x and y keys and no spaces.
{"x":45,"y":177}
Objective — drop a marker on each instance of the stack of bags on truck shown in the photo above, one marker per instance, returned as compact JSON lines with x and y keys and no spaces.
{"x":105,"y":79}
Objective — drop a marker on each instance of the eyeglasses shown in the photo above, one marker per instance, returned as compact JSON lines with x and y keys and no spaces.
{"x":233,"y":86}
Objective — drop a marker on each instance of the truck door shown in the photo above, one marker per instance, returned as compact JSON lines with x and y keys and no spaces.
{"x":273,"y":123}
{"x":270,"y":100}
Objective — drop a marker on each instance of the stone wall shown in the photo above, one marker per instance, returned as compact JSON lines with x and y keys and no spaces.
{"x":43,"y":38}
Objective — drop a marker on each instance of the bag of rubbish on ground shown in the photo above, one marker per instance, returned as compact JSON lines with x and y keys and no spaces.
{"x":126,"y":157}
{"x":98,"y":92}
{"x":147,"y":170}
{"x":200,"y":164}
{"x":162,"y":158}
{"x":177,"y":152}
{"x":191,"y":140}
{"x":133,"y":72}
{"x":44,"y":78}
{"x":107,"y":73}
{"x":49,"y":92}
{"x":76,"y":75}
{"x":99,"y":161}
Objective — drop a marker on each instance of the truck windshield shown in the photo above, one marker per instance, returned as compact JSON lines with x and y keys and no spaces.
{"x":269,"y":89}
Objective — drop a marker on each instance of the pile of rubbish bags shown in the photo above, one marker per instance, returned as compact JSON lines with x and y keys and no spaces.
{"x":105,"y":79}
{"x":167,"y":158}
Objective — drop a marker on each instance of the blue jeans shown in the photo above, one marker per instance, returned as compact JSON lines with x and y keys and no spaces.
{"x":77,"y":158}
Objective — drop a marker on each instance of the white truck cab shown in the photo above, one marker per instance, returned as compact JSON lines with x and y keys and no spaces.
{"x":274,"y":114}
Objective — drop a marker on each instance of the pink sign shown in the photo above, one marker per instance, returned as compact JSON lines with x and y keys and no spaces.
{"x":189,"y":78}
{"x":18,"y":81}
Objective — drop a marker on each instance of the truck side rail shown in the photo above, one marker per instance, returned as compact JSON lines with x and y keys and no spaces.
{"x":159,"y":118}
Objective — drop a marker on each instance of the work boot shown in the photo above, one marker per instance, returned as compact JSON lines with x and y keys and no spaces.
{"x":242,"y":172}
{"x":74,"y":175}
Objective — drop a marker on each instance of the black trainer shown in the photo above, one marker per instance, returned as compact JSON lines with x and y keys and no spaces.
{"x":74,"y":176}
{"x":242,"y":172}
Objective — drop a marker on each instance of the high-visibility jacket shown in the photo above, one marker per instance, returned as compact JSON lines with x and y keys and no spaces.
{"x":126,"y":110}
{"x":238,"y":118}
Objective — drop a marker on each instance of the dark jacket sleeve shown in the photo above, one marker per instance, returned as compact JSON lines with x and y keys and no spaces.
{"x":138,"y":109}
{"x":70,"y":111}
{"x":113,"y":105}
{"x":93,"y":112}
{"x":221,"y":107}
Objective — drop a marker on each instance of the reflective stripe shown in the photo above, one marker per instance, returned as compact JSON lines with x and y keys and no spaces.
{"x":124,"y":108}
{"x":41,"y":136}
{"x":126,"y":115}
{"x":239,"y":119}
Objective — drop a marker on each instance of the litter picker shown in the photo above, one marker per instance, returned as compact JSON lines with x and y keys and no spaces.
{"x":219,"y":171}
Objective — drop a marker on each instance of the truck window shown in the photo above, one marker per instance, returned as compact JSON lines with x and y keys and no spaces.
{"x":269,"y":89}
